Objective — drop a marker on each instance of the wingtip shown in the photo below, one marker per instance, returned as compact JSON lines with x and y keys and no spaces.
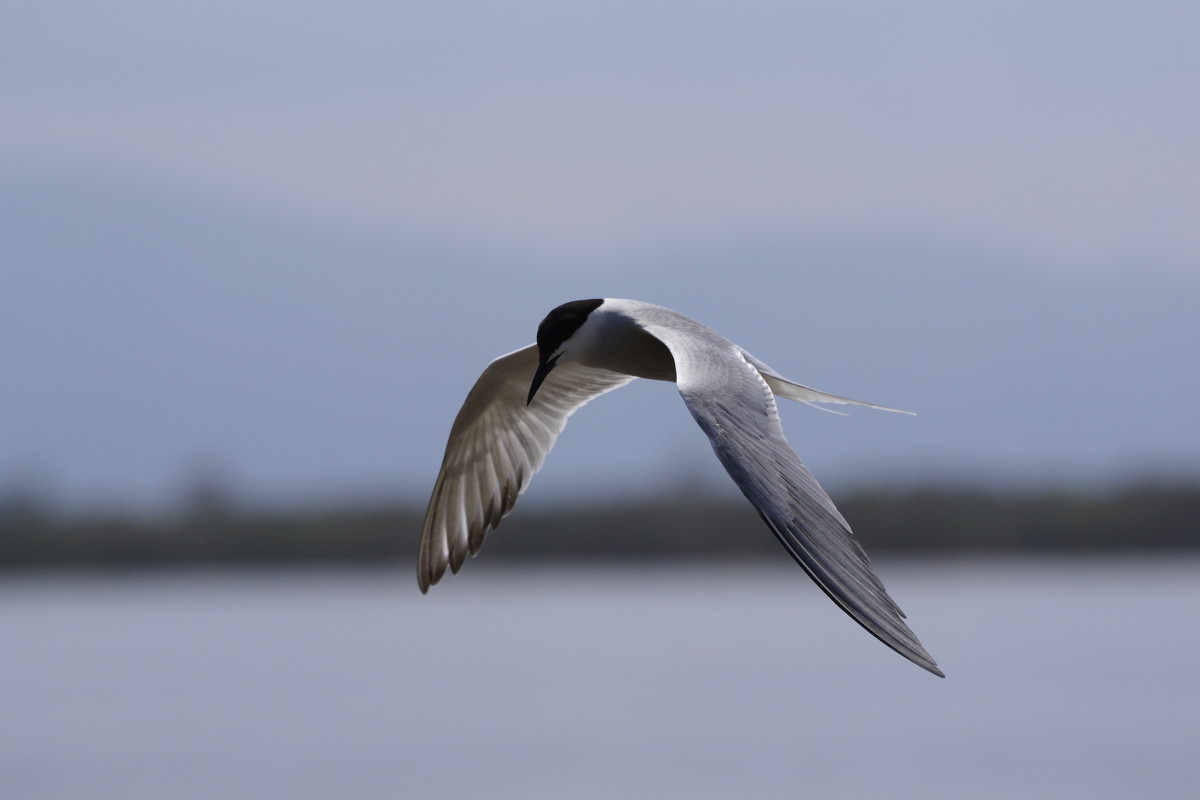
{"x":923,"y":660}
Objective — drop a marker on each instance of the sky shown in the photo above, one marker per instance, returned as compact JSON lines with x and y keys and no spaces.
{"x":354,"y":183}
{"x":1064,"y":129}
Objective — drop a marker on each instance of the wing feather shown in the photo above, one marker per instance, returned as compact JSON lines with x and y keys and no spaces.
{"x":734,"y":405}
{"x":496,"y":445}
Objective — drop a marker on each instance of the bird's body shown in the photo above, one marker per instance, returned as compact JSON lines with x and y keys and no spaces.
{"x":521,"y":402}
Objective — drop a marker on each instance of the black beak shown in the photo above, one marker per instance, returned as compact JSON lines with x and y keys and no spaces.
{"x":543,"y":370}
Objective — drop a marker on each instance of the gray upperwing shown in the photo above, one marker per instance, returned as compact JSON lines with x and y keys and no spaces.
{"x":495,"y":446}
{"x":734,"y":406}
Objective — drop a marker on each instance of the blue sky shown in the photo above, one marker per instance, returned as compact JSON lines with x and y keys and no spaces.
{"x":283,"y":238}
{"x":1065,"y":130}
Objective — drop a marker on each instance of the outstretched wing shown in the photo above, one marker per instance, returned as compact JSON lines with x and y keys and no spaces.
{"x":496,"y":444}
{"x":733,"y":404}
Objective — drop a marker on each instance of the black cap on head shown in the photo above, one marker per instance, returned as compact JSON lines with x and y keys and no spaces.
{"x":561,"y":323}
{"x":558,"y":326}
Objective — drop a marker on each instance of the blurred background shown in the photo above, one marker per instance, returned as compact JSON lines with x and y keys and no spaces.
{"x":255,"y":254}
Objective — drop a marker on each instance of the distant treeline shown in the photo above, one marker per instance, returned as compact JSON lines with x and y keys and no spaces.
{"x":923,"y":520}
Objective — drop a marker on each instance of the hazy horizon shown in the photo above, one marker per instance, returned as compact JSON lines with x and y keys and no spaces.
{"x":278,"y":244}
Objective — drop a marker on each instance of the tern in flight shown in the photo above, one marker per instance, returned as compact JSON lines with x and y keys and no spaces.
{"x":521,"y":402}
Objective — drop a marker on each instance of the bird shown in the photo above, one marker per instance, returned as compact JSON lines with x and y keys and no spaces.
{"x":584,"y":348}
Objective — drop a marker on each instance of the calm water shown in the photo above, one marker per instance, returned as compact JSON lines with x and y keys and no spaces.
{"x":1066,"y":679}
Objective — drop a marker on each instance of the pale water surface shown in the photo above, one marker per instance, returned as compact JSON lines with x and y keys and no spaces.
{"x":1073,"y":678}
